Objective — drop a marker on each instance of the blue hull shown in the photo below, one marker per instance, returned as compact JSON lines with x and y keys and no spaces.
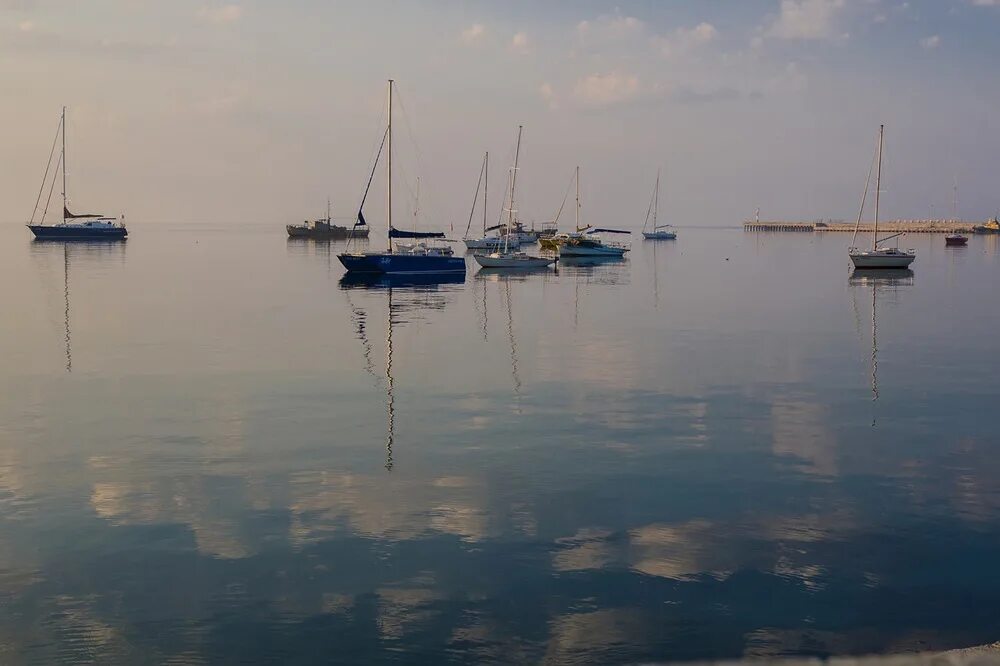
{"x":401,"y":264}
{"x":43,"y":232}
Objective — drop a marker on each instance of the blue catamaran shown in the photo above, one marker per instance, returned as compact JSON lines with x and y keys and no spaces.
{"x":404,"y":258}
{"x":74,"y":227}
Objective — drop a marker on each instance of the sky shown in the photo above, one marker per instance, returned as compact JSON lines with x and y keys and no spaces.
{"x":253,"y":111}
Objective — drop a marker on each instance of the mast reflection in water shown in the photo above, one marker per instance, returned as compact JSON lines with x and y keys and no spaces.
{"x":404,"y":293}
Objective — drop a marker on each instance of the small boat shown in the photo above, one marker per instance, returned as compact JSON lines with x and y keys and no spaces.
{"x":486,"y":242}
{"x":587,"y":242}
{"x":992,"y":226}
{"x":324,"y":229}
{"x":74,"y":227}
{"x":419,"y":257}
{"x":879,"y":256}
{"x":956,"y":240}
{"x":657,"y":231}
{"x":504,"y":257}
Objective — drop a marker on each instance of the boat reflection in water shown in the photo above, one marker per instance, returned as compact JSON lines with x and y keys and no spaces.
{"x":404,"y":293}
{"x":886,"y":280}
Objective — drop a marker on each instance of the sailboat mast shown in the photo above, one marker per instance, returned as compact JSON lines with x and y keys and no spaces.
{"x":878,"y":186}
{"x":486,"y":189}
{"x":513,"y":180}
{"x":64,"y":161}
{"x":656,"y":199}
{"x":578,"y":198}
{"x":388,"y":170}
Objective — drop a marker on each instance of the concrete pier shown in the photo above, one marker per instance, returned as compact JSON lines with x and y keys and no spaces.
{"x":887,"y":226}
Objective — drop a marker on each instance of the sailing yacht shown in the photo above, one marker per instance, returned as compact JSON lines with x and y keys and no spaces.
{"x":79,"y":226}
{"x":658,"y":231}
{"x":587,"y":242}
{"x":487,"y":242}
{"x":505,"y":257}
{"x":419,"y":257}
{"x":879,"y":256}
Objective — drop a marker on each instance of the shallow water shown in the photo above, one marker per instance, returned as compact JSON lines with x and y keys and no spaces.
{"x":213,"y":449}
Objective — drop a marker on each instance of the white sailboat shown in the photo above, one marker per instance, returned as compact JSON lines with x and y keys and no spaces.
{"x":659,"y":231}
{"x":505,"y":257}
{"x":589,"y":243}
{"x":879,"y":256}
{"x":487,"y":242}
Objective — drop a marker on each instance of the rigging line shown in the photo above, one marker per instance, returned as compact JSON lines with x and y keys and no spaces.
{"x":52,"y":187}
{"x":475,"y":200}
{"x":649,"y":210}
{"x":48,"y":165}
{"x":864,"y":196}
{"x":569,"y":187}
{"x":504,"y":204}
{"x":374,"y":167}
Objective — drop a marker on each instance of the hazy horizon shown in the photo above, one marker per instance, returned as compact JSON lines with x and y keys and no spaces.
{"x":249,"y":111}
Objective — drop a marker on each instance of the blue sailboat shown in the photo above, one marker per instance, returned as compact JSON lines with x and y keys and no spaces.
{"x":74,"y":227}
{"x":404,"y":259}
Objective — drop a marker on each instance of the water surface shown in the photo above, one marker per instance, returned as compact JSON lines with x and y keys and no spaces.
{"x":213,"y":449}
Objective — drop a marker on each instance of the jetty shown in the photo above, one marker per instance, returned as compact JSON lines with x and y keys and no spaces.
{"x":890,"y":226}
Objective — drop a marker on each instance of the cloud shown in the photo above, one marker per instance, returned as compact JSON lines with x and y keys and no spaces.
{"x":806,"y":19}
{"x":609,"y":28}
{"x":549,"y":96}
{"x":222,"y":14}
{"x":986,"y":3}
{"x":684,"y":40}
{"x":473,"y":33}
{"x":26,"y":26}
{"x":931,"y":42}
{"x":519,"y":43}
{"x":606,"y":89}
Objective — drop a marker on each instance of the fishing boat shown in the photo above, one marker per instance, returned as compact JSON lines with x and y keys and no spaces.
{"x":419,"y":257}
{"x":657,"y":231}
{"x":587,"y":241}
{"x":992,"y":226}
{"x":74,"y":226}
{"x":324,"y":229}
{"x":505,"y":257}
{"x":956,"y":240}
{"x":879,"y":256}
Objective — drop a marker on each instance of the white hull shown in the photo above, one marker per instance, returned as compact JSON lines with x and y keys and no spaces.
{"x":602,"y":251}
{"x":659,"y":235}
{"x":511,"y":261}
{"x":490,"y":243}
{"x":878,"y":260}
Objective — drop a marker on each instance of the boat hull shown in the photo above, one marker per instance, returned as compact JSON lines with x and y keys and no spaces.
{"x":869,"y":261}
{"x":956,"y":241}
{"x":68,"y":233}
{"x":487,"y":261}
{"x":401,"y":264}
{"x":490,"y":243}
{"x":338,"y":233}
{"x":659,"y":235}
{"x":570,"y":250}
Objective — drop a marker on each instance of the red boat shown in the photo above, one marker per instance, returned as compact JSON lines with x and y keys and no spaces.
{"x":956,"y":240}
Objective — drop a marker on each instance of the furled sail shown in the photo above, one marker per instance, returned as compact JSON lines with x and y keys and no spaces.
{"x":402,"y":233}
{"x":607,"y":231}
{"x":70,"y":216}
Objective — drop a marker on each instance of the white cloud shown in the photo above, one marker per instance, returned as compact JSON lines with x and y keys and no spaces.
{"x":549,"y":96}
{"x":222,"y":14}
{"x":26,"y":26}
{"x":609,"y":28}
{"x":986,"y":3}
{"x":606,"y":89}
{"x":684,"y":40}
{"x":519,"y":43}
{"x":807,"y":19}
{"x":473,"y":33}
{"x":931,"y":42}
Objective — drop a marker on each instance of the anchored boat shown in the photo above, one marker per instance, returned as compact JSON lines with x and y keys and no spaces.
{"x":879,"y":256}
{"x":419,"y":257}
{"x":589,"y":243}
{"x":325,"y":229}
{"x":657,"y":231}
{"x":79,"y":226}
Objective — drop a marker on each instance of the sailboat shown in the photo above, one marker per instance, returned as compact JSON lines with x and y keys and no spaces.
{"x":587,"y":242}
{"x":417,"y":258}
{"x":487,"y":242}
{"x":79,"y":226}
{"x":879,"y":256}
{"x":506,"y":257}
{"x":659,"y":231}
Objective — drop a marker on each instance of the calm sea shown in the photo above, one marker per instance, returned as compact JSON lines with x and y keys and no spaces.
{"x":213,"y":450}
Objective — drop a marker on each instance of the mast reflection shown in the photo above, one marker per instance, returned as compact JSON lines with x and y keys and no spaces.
{"x":404,"y":293}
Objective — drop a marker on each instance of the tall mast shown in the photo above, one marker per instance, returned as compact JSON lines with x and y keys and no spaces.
{"x":328,"y":210}
{"x":513,"y":180}
{"x":486,"y":189}
{"x":878,"y":186}
{"x":64,"y":161}
{"x":388,"y":170}
{"x":578,"y":197}
{"x":656,"y":199}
